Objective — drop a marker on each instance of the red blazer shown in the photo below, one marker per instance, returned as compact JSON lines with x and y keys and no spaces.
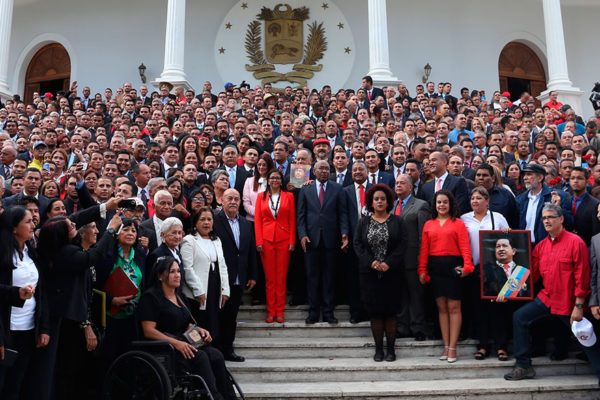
{"x":274,"y":230}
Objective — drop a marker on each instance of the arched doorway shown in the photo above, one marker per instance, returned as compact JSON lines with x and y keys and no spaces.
{"x":48,"y":71}
{"x":520,"y":70}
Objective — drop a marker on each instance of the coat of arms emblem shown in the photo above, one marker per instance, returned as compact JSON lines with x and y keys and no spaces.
{"x":284,"y":44}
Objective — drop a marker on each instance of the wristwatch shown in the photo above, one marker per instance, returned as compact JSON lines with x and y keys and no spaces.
{"x":111,"y":231}
{"x":579,"y":306}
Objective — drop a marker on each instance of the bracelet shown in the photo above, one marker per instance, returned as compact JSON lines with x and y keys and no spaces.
{"x":85,"y":324}
{"x":579,"y":306}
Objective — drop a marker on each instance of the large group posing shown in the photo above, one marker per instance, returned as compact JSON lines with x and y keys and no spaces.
{"x":194,"y":199}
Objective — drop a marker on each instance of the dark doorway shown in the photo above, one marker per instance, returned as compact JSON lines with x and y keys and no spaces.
{"x":52,"y":86}
{"x":516,"y":86}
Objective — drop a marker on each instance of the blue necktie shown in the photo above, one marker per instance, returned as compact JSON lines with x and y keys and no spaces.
{"x":340,"y":178}
{"x":232,"y":177}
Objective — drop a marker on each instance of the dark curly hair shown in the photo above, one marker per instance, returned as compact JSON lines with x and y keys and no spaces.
{"x":453,"y":206}
{"x":380,"y":187}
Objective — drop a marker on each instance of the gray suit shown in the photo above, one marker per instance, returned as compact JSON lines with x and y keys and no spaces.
{"x":594,"y":264}
{"x":414,"y":215}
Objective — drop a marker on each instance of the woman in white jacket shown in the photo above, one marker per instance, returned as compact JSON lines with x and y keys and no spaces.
{"x":206,"y":280}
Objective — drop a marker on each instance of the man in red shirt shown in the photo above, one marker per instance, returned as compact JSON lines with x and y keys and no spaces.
{"x":562,"y":261}
{"x":553,"y":103}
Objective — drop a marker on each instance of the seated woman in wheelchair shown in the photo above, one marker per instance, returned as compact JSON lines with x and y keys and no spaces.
{"x":164,"y":316}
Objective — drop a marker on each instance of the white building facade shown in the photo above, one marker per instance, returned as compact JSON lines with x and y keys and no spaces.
{"x":188,"y":42}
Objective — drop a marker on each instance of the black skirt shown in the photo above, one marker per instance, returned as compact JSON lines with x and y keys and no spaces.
{"x":380,"y":292}
{"x":444,"y":280}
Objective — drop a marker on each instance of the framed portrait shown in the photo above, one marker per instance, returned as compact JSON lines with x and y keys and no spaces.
{"x":505,"y":265}
{"x":299,"y":174}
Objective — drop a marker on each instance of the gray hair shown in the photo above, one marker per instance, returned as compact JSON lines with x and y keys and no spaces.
{"x":160,"y":194}
{"x":154,"y":182}
{"x":170,"y":222}
{"x":553,"y":208}
{"x":217,"y":173}
{"x":408,"y":178}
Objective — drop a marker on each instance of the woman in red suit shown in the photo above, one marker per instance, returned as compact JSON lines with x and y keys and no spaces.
{"x":446,"y":257}
{"x":275,"y":228}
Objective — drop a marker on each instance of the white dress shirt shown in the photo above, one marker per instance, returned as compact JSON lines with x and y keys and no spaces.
{"x":474,"y":226}
{"x":25,"y":273}
{"x":532,"y":213}
{"x":157,"y":227}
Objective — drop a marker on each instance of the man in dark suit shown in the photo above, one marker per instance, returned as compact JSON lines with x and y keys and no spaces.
{"x":342,"y":175}
{"x":237,"y":174}
{"x":150,"y":228}
{"x":438,"y":163}
{"x":321,"y":220}
{"x":583,"y":206}
{"x":32,"y":183}
{"x":353,"y":198}
{"x":171,"y":232}
{"x":146,"y":100}
{"x":414,"y":213}
{"x":375,"y":176}
{"x":372,"y":92}
{"x":237,"y":239}
{"x":8,"y":154}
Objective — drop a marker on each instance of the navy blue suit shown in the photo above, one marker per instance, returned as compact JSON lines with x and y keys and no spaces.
{"x":383,"y":177}
{"x":458,"y":187}
{"x":323,"y":225}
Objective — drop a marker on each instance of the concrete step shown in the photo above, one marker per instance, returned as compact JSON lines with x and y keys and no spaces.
{"x":258,"y":313}
{"x":337,"y":347}
{"x":315,"y":370}
{"x":580,"y":387}
{"x":298,"y":329}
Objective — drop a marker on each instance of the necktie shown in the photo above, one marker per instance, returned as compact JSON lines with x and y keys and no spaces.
{"x":361,"y":195}
{"x":251,"y":172}
{"x":143,"y":196}
{"x":574,"y":207}
{"x":506,"y":269}
{"x":322,"y":194}
{"x":369,"y":95}
{"x":231,"y":177}
{"x":399,"y":208}
{"x":438,"y":184}
{"x":74,"y":208}
{"x":398,"y":172}
{"x":480,"y":152}
{"x":340,"y":178}
{"x":374,"y":179}
{"x":281,"y":169}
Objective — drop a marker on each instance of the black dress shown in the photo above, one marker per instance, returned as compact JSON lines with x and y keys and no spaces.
{"x":173,"y":320}
{"x":380,"y":291}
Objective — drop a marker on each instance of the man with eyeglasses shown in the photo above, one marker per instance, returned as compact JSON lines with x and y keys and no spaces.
{"x":562,"y":261}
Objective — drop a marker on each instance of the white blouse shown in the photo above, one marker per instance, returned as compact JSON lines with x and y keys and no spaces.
{"x":25,"y":273}
{"x":474,"y":226}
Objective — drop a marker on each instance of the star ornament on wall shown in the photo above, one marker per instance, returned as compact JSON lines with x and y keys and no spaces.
{"x":244,"y":5}
{"x":228,"y":25}
{"x":221,"y":50}
{"x":325,"y":6}
{"x":347,"y":50}
{"x":340,"y":26}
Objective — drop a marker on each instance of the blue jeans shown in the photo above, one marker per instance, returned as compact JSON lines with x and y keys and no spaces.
{"x":522,"y":320}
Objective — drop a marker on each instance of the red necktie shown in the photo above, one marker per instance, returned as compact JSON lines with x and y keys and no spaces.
{"x":398,"y":172}
{"x":574,"y":207}
{"x":506,"y":269}
{"x":399,"y":208}
{"x":361,"y":195}
{"x":373,"y":179}
{"x":322,"y":194}
{"x":369,"y":92}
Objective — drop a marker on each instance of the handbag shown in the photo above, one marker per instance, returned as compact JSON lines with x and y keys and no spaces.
{"x":192,"y":335}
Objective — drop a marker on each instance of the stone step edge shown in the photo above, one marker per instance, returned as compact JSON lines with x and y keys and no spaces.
{"x":456,"y":387}
{"x":333,"y":342}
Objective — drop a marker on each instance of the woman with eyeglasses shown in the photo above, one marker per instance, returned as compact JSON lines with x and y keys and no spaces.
{"x":275,"y":229}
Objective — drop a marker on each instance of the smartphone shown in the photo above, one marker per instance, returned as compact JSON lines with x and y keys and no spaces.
{"x":46,"y":167}
{"x":127,"y":203}
{"x":85,"y":166}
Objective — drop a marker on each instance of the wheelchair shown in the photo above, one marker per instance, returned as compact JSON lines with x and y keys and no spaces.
{"x":148,"y":372}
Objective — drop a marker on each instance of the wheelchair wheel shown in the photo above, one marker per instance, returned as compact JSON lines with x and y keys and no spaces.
{"x":137,"y":375}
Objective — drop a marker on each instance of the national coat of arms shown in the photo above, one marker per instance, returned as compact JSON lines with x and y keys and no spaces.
{"x":284,"y":44}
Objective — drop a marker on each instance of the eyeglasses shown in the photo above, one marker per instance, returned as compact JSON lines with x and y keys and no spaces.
{"x":546,"y":218}
{"x":274,"y":178}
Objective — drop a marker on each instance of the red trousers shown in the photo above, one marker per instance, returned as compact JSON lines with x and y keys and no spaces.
{"x":275,"y":258}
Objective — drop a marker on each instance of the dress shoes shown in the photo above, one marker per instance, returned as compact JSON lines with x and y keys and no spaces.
{"x":311,"y":320}
{"x":330,"y":320}
{"x":354,"y":321}
{"x":419,"y":337}
{"x":233,"y":357}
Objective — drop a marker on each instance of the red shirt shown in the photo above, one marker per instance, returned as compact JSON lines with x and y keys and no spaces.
{"x":554,"y":104}
{"x":450,"y":239}
{"x":564,"y":265}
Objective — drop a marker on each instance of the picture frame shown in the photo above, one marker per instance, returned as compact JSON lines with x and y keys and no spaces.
{"x":299,"y":174}
{"x":505,"y":265}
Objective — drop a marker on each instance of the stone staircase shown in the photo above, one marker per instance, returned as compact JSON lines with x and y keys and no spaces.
{"x":296,"y":361}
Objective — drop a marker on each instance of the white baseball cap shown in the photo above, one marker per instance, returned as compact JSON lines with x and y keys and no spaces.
{"x":584,"y":332}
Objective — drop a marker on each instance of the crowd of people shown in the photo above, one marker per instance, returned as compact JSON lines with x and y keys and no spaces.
{"x":131,"y":214}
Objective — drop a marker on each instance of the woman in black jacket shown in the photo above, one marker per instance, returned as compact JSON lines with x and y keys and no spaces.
{"x":379,"y":244}
{"x":22,"y":328}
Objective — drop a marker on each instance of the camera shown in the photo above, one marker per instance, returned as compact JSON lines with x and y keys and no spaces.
{"x":129,"y":204}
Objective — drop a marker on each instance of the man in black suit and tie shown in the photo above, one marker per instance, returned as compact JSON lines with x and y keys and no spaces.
{"x":342,"y":175}
{"x":237,"y":239}
{"x":414,"y":213}
{"x":438,"y":163}
{"x":412,"y":167}
{"x":353,"y":198}
{"x":321,"y":221}
{"x":237,"y":174}
{"x":8,"y":154}
{"x":583,"y":206}
{"x":375,"y":175}
{"x":146,"y":100}
{"x":150,"y":228}
{"x":372,"y":92}
{"x":32,"y":182}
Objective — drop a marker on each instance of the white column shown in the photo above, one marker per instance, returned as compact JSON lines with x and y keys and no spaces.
{"x":174,"y":45}
{"x":379,"y":57}
{"x":558,"y":71}
{"x":6,"y":15}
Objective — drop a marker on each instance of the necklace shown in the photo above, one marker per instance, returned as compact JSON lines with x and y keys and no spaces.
{"x":275,"y":207}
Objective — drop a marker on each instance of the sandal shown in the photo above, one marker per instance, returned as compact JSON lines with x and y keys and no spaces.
{"x":444,"y":355}
{"x":452,"y":359}
{"x":481,"y":354}
{"x":502,"y":355}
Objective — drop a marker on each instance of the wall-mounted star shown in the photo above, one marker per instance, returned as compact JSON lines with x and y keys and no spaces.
{"x":325,"y":6}
{"x":228,"y":25}
{"x":340,"y":26}
{"x":347,"y":50}
{"x":244,"y":5}
{"x":221,"y":50}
